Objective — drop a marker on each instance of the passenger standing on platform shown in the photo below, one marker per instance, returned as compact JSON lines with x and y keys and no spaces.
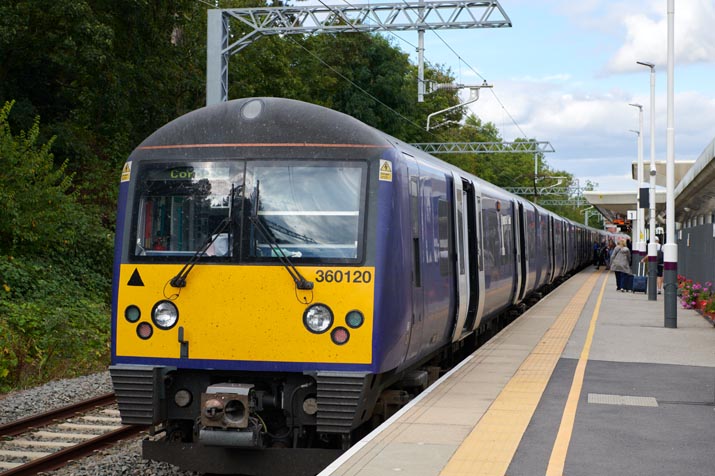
{"x":599,"y":252}
{"x":621,"y":264}
{"x":609,"y":253}
{"x":660,"y":261}
{"x":603,"y":253}
{"x":660,"y":265}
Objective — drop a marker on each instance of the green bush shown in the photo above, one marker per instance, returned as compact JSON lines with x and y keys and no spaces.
{"x":55,"y":268}
{"x":52,"y":324}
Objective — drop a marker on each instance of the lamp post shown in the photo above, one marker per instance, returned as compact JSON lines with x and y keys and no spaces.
{"x":670,"y":248}
{"x":652,"y":247}
{"x":640,"y":241}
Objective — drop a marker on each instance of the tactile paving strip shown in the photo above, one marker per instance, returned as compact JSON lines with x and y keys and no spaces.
{"x":490,"y":447}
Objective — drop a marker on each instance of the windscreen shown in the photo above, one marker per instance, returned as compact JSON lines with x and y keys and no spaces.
{"x":310,"y":210}
{"x":248,"y":211}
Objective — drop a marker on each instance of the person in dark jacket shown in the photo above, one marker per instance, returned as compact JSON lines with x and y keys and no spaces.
{"x":660,"y":265}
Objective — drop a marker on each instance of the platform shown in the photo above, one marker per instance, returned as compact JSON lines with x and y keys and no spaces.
{"x":587,"y":382}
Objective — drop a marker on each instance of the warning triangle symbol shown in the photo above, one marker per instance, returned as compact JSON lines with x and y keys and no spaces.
{"x":135,"y":280}
{"x":386,"y":167}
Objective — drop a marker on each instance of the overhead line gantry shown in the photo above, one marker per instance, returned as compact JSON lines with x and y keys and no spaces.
{"x":294,"y":20}
{"x":533,"y":147}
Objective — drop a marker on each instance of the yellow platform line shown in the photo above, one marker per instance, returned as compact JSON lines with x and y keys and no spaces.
{"x":490,"y":447}
{"x":557,"y":462}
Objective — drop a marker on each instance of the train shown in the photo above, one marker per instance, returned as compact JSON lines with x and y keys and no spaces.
{"x":285,"y":275}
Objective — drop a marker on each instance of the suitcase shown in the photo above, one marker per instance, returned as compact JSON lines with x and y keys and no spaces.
{"x":640,"y":282}
{"x":627,"y":283}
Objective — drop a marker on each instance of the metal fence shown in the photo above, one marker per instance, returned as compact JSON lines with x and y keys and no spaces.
{"x":696,"y":253}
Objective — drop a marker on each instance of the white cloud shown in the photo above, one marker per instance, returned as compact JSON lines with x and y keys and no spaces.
{"x":584,"y":115}
{"x":547,"y":110}
{"x":591,"y":132}
{"x":647,"y":33}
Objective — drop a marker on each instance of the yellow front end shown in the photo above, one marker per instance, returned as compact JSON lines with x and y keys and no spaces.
{"x":245,"y":313}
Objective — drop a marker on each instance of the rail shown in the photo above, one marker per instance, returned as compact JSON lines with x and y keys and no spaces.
{"x":70,"y":451}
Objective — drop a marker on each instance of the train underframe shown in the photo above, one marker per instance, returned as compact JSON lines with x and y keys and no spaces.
{"x":257,"y":422}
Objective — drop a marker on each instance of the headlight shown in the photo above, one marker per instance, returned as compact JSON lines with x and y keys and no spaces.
{"x":318,"y":318}
{"x":165,"y":315}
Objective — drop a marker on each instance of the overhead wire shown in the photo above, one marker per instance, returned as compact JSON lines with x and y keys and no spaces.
{"x":506,"y":111}
{"x":461,"y":59}
{"x":405,"y":41}
{"x":314,"y":55}
{"x":387,"y":31}
{"x":347,"y":21}
{"x":350,"y":24}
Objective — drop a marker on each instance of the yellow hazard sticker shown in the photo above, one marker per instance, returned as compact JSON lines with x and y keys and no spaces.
{"x":127,"y":171}
{"x":385,"y":170}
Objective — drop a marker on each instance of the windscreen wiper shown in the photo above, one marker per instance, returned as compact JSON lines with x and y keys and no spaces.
{"x":179,"y":281}
{"x":300,"y":281}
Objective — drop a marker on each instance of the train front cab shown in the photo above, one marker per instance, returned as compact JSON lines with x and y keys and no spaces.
{"x":221,"y":346}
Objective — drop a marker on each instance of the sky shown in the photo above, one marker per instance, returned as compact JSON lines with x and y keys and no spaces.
{"x":566,"y":71}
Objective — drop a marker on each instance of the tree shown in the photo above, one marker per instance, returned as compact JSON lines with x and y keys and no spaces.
{"x":41,"y":213}
{"x":34,"y":195}
{"x":377,"y":84}
{"x":103,"y":75}
{"x":54,"y":258}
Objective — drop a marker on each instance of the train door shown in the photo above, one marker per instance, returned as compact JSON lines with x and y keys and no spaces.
{"x":569,"y":242}
{"x":467,"y":247}
{"x":552,"y":251}
{"x":539,"y":259}
{"x":566,"y":246}
{"x":413,"y":171}
{"x":475,"y":234}
{"x":459,"y":214}
{"x":559,"y":247}
{"x":522,"y":254}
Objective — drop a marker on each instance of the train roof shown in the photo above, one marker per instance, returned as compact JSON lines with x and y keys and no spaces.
{"x":264,"y":120}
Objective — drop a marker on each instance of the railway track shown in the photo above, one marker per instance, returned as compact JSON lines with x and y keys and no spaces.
{"x":50,"y":440}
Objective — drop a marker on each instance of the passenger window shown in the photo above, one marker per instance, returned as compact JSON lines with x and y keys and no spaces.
{"x":443,"y":216}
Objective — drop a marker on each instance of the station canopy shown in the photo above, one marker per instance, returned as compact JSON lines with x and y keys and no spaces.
{"x":694,"y":192}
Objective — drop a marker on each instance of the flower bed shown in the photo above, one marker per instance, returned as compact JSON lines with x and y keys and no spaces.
{"x":700,"y":297}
